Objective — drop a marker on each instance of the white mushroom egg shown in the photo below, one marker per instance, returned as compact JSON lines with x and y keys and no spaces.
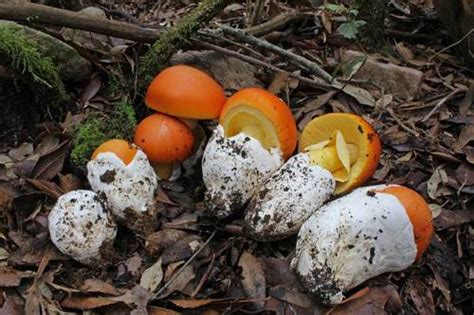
{"x":129,"y":190}
{"x":233,"y":169}
{"x":287,"y":198}
{"x":81,"y":227}
{"x":352,"y":239}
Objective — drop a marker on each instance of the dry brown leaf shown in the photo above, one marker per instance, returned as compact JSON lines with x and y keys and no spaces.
{"x":156,"y":242}
{"x":152,"y":277}
{"x":253,"y":278}
{"x":439,"y":177}
{"x":86,"y":302}
{"x":421,"y":296}
{"x":11,"y":277}
{"x":49,"y":165}
{"x":183,"y":249}
{"x":377,"y":300}
{"x":69,"y":182}
{"x":90,"y":90}
{"x":10,"y":307}
{"x":152,"y":310}
{"x":467,"y":135}
{"x":99,"y":286}
{"x":179,"y":283}
{"x":21,"y":152}
{"x":50,"y":188}
{"x":404,"y":51}
{"x":465,"y":174}
{"x":190,"y":304}
{"x":47,"y":144}
{"x":449,"y":218}
{"x":279,"y":82}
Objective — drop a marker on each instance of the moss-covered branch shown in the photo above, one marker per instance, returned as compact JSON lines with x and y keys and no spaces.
{"x":177,"y":38}
{"x":31,"y":66}
{"x":100,"y":127}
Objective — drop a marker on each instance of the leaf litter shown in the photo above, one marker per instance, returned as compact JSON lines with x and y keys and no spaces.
{"x":233,"y":274}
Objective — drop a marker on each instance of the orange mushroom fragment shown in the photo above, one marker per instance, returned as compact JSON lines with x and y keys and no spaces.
{"x":165,"y":140}
{"x":123,"y":149}
{"x":346,"y":145}
{"x":185,"y":92}
{"x":263,"y":116}
{"x":419,"y":213}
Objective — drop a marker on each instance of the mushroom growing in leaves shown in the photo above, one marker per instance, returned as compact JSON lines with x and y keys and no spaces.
{"x":370,"y":231}
{"x":165,"y":140}
{"x":338,"y":152}
{"x":257,"y":132}
{"x":186,"y":93}
{"x":122,"y":176}
{"x":81,"y":227}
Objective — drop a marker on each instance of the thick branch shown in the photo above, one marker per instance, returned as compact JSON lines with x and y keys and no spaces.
{"x":37,"y":13}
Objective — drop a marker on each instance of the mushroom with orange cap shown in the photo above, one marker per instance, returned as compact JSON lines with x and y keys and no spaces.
{"x":338,"y":152}
{"x":185,"y":92}
{"x":120,"y":173}
{"x":165,"y":140}
{"x":256,"y":133}
{"x":368,"y":232}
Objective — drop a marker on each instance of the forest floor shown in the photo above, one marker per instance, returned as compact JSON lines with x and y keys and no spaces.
{"x":421,"y":106}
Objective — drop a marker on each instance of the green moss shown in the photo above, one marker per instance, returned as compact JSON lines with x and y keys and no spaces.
{"x":373,"y":13}
{"x":157,"y":58}
{"x":34,"y":69}
{"x":98,"y":128}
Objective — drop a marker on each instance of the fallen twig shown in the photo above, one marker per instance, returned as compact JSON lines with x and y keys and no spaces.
{"x":401,"y":124}
{"x":37,"y":13}
{"x":317,"y":84}
{"x":250,"y":39}
{"x":177,"y":273}
{"x":441,"y":102}
{"x":277,"y":23}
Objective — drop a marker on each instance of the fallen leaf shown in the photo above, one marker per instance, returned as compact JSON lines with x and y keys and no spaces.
{"x":86,"y":302}
{"x":468,"y":100}
{"x":99,"y":286}
{"x":179,"y":283}
{"x":90,"y":90}
{"x":21,"y":152}
{"x":279,"y":81}
{"x":47,"y":187}
{"x":161,"y":196}
{"x":193,"y":303}
{"x":157,"y":241}
{"x":361,"y":95}
{"x":183,"y":249}
{"x":404,"y":51}
{"x":465,"y":174}
{"x":466,"y":135}
{"x":11,"y":277}
{"x":435,"y":210}
{"x":153,"y":310}
{"x":133,"y":264}
{"x":449,"y":218}
{"x":253,"y":278}
{"x":421,"y":296}
{"x":384,"y":101}
{"x":439,"y":177}
{"x":49,"y":165}
{"x":376,"y":300}
{"x":47,"y":144}
{"x":10,"y":307}
{"x":69,"y":182}
{"x":152,"y":276}
{"x":277,"y":271}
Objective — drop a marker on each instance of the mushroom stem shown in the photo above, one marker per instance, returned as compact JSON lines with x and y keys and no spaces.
{"x":329,"y":159}
{"x":163,"y":170}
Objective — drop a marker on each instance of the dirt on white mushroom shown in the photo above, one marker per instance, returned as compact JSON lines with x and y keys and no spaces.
{"x":287,"y":199}
{"x":233,"y":170}
{"x":81,"y":227}
{"x":128,"y":190}
{"x":352,"y":239}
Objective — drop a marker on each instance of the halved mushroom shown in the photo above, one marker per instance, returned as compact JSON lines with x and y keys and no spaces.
{"x":257,"y":132}
{"x":370,"y":231}
{"x":339,"y":151}
{"x":127,"y":189}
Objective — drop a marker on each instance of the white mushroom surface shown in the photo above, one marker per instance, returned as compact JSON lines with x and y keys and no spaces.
{"x":287,"y":198}
{"x":81,"y":227}
{"x":352,"y":239}
{"x":129,"y":190}
{"x":233,"y":169}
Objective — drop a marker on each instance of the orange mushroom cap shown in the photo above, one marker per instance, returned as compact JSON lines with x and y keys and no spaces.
{"x":123,"y":149}
{"x":419,"y":213}
{"x":357,"y":133}
{"x":268,"y":117}
{"x":164,"y":139}
{"x":185,"y":92}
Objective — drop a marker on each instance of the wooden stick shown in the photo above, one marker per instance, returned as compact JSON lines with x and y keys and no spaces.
{"x":250,"y":39}
{"x":37,"y":13}
{"x":277,"y":23}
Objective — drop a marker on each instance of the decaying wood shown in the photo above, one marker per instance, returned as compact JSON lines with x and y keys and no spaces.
{"x":37,"y":13}
{"x":277,"y":23}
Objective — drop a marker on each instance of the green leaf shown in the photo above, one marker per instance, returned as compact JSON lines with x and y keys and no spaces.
{"x":335,"y":8}
{"x":350,"y":29}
